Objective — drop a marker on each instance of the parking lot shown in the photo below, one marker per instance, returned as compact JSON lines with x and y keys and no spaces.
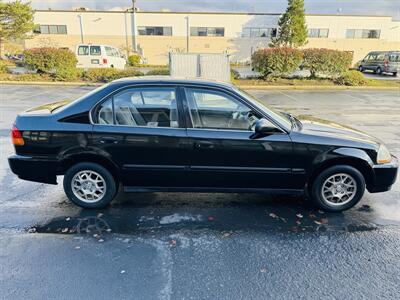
{"x":201,"y":246}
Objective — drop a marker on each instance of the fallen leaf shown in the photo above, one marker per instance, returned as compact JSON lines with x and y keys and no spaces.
{"x":272,"y":215}
{"x":298,"y":222}
{"x":32,"y":230}
{"x":77,"y":247}
{"x":318,"y":223}
{"x":65,"y":230}
{"x":108,"y":230}
{"x":101,"y":240}
{"x":67,"y":219}
{"x":263,"y":270}
{"x":321,"y":212}
{"x":99,"y":215}
{"x":299,"y":215}
{"x":226,"y":234}
{"x":122,"y":271}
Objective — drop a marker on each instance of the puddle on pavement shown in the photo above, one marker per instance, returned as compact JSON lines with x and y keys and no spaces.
{"x":224,"y":213}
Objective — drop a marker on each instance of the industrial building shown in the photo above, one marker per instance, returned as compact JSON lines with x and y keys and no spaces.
{"x":155,"y":34}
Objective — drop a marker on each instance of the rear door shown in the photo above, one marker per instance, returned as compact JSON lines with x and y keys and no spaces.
{"x":140,"y":129}
{"x":224,"y":153}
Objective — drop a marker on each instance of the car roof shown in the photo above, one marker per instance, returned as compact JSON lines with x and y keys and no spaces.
{"x":172,"y":80}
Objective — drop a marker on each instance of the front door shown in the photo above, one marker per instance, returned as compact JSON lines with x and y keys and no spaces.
{"x":139,"y":129}
{"x":225,"y":153}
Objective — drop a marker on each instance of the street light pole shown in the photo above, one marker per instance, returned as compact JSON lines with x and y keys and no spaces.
{"x":187,"y":33}
{"x":134,"y":25}
{"x":81,"y":27}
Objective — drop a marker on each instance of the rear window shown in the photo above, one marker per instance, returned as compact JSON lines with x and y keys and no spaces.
{"x":95,"y":50}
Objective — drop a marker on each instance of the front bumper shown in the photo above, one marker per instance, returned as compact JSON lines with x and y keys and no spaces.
{"x":384,"y":176}
{"x":34,"y":169}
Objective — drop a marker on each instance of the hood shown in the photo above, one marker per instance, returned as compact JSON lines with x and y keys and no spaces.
{"x":324,"y":128}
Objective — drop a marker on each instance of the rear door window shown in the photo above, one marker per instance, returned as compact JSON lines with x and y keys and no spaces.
{"x":148,"y":107}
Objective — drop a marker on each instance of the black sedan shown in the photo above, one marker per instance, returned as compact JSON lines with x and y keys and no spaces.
{"x":165,"y":134}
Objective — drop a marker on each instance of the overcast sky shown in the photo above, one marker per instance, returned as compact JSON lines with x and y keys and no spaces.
{"x":370,"y":7}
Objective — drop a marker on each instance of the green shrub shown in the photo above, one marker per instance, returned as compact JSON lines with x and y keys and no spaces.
{"x":3,"y":67}
{"x":326,"y":61}
{"x":234,"y":74}
{"x":61,"y":63}
{"x":351,"y":78}
{"x":108,"y":74}
{"x":134,"y":60}
{"x":276,"y":61}
{"x":159,"y":71}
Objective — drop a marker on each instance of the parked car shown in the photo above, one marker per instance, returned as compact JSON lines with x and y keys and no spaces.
{"x":381,"y":62}
{"x":99,"y":56}
{"x":164,"y":134}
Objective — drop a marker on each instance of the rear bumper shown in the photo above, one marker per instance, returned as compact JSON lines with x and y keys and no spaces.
{"x":384,"y":176}
{"x":34,"y":169}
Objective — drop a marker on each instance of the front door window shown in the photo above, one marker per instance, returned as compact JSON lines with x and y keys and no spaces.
{"x":217,"y":110}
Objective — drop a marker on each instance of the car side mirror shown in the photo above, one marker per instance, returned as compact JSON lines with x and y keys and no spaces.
{"x":262,"y":128}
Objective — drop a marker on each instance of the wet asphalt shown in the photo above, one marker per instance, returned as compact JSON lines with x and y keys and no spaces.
{"x":201,"y":246}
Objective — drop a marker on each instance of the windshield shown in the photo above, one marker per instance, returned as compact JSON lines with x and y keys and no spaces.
{"x":282,"y":118}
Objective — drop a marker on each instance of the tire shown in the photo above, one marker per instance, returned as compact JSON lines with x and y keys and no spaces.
{"x":379,"y":71}
{"x":394,"y":74}
{"x":361,"y":69}
{"x":337,"y":172}
{"x":95,"y":178}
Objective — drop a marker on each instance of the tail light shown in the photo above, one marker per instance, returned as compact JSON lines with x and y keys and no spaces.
{"x":105,"y":61}
{"x":16,"y":136}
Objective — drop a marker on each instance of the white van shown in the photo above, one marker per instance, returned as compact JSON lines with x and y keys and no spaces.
{"x":99,"y":56}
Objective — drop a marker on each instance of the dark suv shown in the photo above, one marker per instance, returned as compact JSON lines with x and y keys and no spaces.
{"x":165,"y":134}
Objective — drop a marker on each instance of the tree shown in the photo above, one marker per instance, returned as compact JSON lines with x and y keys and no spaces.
{"x":16,"y":20}
{"x":292,"y":26}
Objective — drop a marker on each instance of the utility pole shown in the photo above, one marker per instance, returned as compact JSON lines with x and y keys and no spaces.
{"x":134,"y":26}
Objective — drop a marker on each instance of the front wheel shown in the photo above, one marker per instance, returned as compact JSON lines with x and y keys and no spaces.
{"x":89,"y":185}
{"x":338,"y":188}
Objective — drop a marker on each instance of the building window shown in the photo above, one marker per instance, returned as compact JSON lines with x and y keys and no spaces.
{"x":318,"y":32}
{"x":207,"y":31}
{"x":258,"y":32}
{"x":363,"y":33}
{"x":51,"y":29}
{"x":153,"y":30}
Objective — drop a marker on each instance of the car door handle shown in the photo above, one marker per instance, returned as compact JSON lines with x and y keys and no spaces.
{"x":108,"y":140}
{"x":204,"y":145}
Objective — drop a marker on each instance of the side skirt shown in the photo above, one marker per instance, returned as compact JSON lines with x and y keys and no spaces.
{"x":152,"y":189}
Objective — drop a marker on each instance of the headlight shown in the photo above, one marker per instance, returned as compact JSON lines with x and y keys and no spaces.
{"x":384,"y":156}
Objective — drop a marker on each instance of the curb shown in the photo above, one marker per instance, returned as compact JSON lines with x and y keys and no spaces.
{"x":51,"y":83}
{"x":315,"y":87}
{"x":247,"y":87}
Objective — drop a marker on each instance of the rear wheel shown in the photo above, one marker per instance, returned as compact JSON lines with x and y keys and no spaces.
{"x":361,"y":69}
{"x":338,"y":188}
{"x":379,"y":71}
{"x":89,"y":185}
{"x":394,"y":74}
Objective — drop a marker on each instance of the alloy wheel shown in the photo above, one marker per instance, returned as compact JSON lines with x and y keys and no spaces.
{"x":88,"y":186}
{"x":339,"y":189}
